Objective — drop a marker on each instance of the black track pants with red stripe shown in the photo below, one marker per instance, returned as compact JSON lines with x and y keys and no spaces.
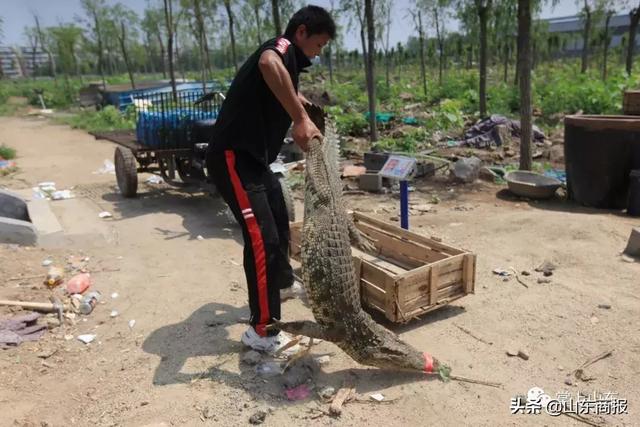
{"x":254,"y":195}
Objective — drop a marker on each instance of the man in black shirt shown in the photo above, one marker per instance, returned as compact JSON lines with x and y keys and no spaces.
{"x":261,"y":104}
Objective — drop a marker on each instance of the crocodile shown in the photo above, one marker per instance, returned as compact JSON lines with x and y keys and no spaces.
{"x":329,"y":274}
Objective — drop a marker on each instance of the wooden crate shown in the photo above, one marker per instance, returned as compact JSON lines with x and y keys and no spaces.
{"x":409,"y":274}
{"x":631,"y":102}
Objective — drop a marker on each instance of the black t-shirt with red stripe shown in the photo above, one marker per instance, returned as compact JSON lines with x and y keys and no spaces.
{"x":251,"y":118}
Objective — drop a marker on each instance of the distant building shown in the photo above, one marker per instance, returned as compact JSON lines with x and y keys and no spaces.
{"x":569,"y":30}
{"x":18,"y":62}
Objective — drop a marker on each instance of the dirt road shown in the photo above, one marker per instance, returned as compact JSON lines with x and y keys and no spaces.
{"x":180,"y":363}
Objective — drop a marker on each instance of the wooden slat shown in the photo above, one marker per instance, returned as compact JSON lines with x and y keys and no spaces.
{"x":416,"y":250}
{"x":445,"y":281}
{"x":390,"y":303}
{"x":419,"y":276}
{"x":434,"y":280}
{"x":426,"y":309}
{"x":372,"y":295}
{"x":384,"y":264}
{"x":425,"y":300}
{"x":408,"y":253}
{"x":469,"y":273}
{"x":414,"y":237}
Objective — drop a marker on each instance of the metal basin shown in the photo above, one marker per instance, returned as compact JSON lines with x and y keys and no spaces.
{"x":531,"y":184}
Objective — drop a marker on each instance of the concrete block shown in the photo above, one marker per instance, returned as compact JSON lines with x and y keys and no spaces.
{"x":17,"y":232}
{"x":43,"y":218}
{"x":370,"y":182}
{"x":13,"y":206}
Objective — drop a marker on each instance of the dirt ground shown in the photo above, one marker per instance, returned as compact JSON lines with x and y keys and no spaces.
{"x":180,"y":364}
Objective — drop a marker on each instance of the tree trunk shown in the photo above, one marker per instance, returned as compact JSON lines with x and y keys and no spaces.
{"x":483,"y":14}
{"x":275,"y":10}
{"x":524,"y":64}
{"x":423,"y":71}
{"x":371,"y":60}
{"x":168,"y":16}
{"x":330,"y":63}
{"x":100,"y":49}
{"x":585,"y":38}
{"x":202,"y":31}
{"x":387,"y":63}
{"x":256,"y":11}
{"x":52,"y":63}
{"x":163,"y":54}
{"x":506,"y":60}
{"x":606,"y":45}
{"x":633,"y":26}
{"x":440,"y":46}
{"x":227,"y":6}
{"x":122,"y":38}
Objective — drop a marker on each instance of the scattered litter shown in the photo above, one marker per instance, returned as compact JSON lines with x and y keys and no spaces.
{"x":114,"y":295}
{"x":107,"y":168}
{"x":350,"y":171}
{"x":378,"y":397}
{"x":47,"y":262}
{"x":494,"y":131}
{"x":269,"y":369}
{"x":341,"y":396}
{"x":89,"y":302}
{"x":62,"y":195}
{"x":6,"y":164}
{"x":78,"y":284}
{"x":113,"y":313}
{"x":323,"y":360}
{"x":594,"y":320}
{"x":501,"y":272}
{"x":68,"y":337}
{"x":19,"y":329}
{"x":87,"y":338}
{"x":252,"y":357}
{"x":258,"y":417}
{"x":132,"y":323}
{"x":200,"y":237}
{"x":105,"y":214}
{"x":604,"y":306}
{"x":467,"y":169}
{"x":300,"y":392}
{"x":327,"y":392}
{"x":627,"y":258}
{"x":54,"y":277}
{"x":154,"y":179}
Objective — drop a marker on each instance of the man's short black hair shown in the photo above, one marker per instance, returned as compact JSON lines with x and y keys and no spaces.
{"x":316,"y":19}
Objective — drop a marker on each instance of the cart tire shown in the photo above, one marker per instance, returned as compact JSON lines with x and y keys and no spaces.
{"x":126,"y":171}
{"x":288,"y":199}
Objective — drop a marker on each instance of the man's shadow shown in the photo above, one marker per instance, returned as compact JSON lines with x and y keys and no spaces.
{"x":204,"y":333}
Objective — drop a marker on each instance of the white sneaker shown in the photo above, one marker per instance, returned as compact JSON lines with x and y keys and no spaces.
{"x":270,"y":345}
{"x":294,"y":291}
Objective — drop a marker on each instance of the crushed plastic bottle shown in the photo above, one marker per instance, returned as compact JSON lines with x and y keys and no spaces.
{"x":79,"y":283}
{"x":89,"y":302}
{"x":54,"y":277}
{"x":269,"y":369}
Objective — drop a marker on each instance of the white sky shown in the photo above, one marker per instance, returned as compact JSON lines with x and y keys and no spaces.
{"x":18,"y":13}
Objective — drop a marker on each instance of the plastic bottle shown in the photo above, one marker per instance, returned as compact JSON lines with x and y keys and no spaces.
{"x":79,"y":283}
{"x":54,"y":277}
{"x":89,"y":302}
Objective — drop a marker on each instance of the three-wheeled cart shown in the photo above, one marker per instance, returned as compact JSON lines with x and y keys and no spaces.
{"x":170,"y":140}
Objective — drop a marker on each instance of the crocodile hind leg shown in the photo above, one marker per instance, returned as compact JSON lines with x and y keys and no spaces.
{"x":309,"y":329}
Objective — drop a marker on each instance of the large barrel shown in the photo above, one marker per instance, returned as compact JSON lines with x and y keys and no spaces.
{"x":600,"y":152}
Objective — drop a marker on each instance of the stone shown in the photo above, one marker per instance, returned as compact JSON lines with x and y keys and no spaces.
{"x":544,"y":280}
{"x":523,"y":355}
{"x":370,"y":182}
{"x":252,"y":357}
{"x":604,"y":306}
{"x":258,"y":417}
{"x":633,"y":245}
